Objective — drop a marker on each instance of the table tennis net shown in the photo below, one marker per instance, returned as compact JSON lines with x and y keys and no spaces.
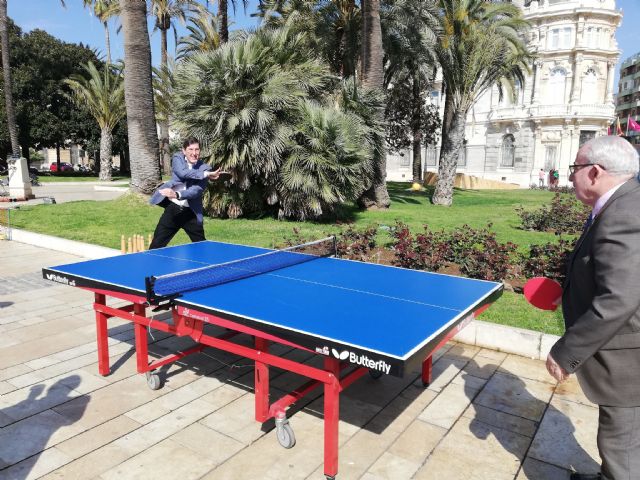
{"x":171,"y":285}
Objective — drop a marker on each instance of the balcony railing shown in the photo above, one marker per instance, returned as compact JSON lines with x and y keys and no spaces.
{"x":560,"y":110}
{"x":595,"y":109}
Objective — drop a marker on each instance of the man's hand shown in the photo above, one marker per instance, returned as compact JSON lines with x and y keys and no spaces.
{"x":555,"y":370}
{"x":214,"y":174}
{"x":167,"y":192}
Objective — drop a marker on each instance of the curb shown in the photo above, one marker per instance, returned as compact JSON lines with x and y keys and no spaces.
{"x":517,"y":341}
{"x":61,"y":244}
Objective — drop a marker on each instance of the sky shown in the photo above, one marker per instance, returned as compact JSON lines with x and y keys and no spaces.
{"x":76,"y":24}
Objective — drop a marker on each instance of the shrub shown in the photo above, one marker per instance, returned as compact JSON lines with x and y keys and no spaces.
{"x":481,"y":256}
{"x":548,"y":260}
{"x":424,"y":251}
{"x":357,"y":244}
{"x":351,"y":243}
{"x":264,"y":107}
{"x":565,"y":214}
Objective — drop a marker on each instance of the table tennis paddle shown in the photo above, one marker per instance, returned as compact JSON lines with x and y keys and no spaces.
{"x":543,"y":293}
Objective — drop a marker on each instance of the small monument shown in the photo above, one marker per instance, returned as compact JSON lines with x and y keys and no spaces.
{"x":19,"y":180}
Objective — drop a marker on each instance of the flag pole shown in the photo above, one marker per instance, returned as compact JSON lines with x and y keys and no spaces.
{"x":628,"y":116}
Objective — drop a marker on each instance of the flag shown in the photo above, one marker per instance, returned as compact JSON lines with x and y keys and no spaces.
{"x":633,"y":125}
{"x":619,"y":131}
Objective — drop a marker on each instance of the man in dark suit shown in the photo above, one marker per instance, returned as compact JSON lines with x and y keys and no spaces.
{"x":601,"y":303}
{"x":181,"y":197}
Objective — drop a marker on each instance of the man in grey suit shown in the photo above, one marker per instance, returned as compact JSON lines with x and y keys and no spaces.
{"x":601,"y":303}
{"x":181,"y":197}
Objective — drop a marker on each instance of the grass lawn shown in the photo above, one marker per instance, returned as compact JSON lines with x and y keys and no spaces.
{"x":103,"y":223}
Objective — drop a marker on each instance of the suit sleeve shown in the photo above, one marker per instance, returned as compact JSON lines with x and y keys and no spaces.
{"x":616,"y":273}
{"x":183,"y":172}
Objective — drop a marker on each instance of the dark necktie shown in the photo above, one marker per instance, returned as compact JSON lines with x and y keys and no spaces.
{"x":588,"y":223}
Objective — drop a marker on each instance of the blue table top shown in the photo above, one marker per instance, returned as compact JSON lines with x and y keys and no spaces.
{"x":375,"y":310}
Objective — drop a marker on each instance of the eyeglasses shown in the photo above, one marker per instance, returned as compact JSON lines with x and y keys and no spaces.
{"x":577,"y":166}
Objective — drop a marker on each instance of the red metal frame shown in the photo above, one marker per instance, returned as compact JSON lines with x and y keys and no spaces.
{"x":188,"y":322}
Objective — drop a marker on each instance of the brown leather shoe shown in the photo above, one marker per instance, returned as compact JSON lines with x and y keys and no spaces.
{"x":585,"y":476}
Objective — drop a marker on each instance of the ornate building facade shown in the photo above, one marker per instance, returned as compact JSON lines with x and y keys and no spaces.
{"x":566,"y":100}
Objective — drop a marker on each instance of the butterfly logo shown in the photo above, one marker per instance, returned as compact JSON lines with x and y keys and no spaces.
{"x":340,"y":355}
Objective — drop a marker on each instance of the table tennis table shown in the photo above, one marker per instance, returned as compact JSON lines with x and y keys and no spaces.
{"x":361,"y":318}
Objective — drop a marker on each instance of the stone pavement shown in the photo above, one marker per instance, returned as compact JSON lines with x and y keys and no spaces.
{"x":487,"y":415}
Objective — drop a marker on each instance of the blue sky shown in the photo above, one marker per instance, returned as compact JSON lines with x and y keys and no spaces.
{"x":76,"y":24}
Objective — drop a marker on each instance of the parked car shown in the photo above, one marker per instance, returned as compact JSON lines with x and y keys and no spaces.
{"x":64,"y":167}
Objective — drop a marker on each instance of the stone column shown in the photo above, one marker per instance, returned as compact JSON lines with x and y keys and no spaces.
{"x":538,"y":153}
{"x":575,"y":84}
{"x":537,"y":70}
{"x":608,"y":97}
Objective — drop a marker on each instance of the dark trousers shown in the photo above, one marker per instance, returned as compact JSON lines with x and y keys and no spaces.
{"x":619,"y":442}
{"x":172,"y":220}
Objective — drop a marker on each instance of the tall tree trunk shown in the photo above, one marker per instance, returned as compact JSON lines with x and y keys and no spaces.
{"x":138,"y":93}
{"x":223,"y":14}
{"x":106,"y":140}
{"x":373,"y":77}
{"x":107,"y":42}
{"x":58,"y":166}
{"x":416,"y":130}
{"x":6,"y":74}
{"x":165,"y":155}
{"x":451,"y":145}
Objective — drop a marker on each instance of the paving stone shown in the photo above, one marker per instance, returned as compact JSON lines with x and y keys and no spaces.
{"x":445,"y":370}
{"x":165,"y":460}
{"x":516,"y":396}
{"x":417,"y":441}
{"x":201,"y":439}
{"x":570,"y":390}
{"x":566,"y":437}
{"x":496,"y":418}
{"x":31,"y":436}
{"x":447,"y":407}
{"x":390,"y":466}
{"x":526,"y":368}
{"x":36,"y":466}
{"x":534,"y":470}
{"x":91,"y":465}
{"x":97,"y":437}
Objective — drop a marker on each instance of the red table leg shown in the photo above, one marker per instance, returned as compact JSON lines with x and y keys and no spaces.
{"x":427,"y":365}
{"x":331,"y":417}
{"x":102,"y":336}
{"x":142,"y":347}
{"x":261,"y":373}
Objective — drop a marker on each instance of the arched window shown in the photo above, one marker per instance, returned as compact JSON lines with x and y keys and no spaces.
{"x":508,"y":151}
{"x":589,"y":87}
{"x":557,"y":85}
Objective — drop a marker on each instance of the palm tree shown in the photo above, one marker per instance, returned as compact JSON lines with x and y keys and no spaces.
{"x":481,"y":46}
{"x":8,"y":84}
{"x":261,"y":108}
{"x":102,"y":93}
{"x":377,"y":195}
{"x":164,"y":11}
{"x":104,"y":10}
{"x":203,"y":35}
{"x":223,"y":17}
{"x":138,"y":92}
{"x":409,"y":38}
